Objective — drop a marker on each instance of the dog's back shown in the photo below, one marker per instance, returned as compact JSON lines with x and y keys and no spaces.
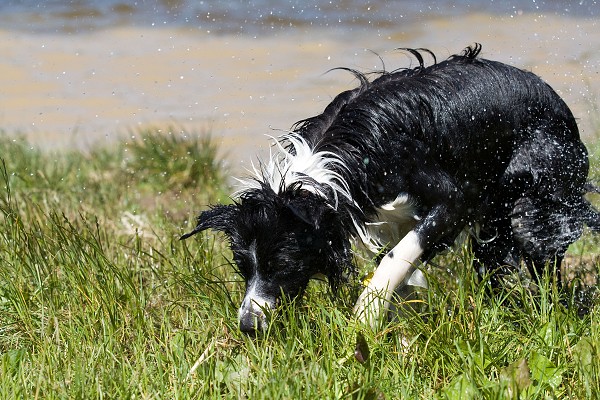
{"x":497,"y":134}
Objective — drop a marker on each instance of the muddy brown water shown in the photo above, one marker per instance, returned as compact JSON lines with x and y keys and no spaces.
{"x":88,"y":89}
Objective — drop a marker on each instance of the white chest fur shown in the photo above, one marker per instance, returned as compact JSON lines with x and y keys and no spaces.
{"x":390,"y":224}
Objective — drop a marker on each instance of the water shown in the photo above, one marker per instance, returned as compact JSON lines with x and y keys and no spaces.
{"x":260,"y":17}
{"x":81,"y":72}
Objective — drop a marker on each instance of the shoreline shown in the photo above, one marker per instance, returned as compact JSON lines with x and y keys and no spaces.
{"x":79,"y":91}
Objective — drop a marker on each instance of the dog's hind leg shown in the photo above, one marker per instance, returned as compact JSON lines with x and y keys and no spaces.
{"x":545,"y":229}
{"x":549,"y":171}
{"x":589,"y":215}
{"x":495,"y":250}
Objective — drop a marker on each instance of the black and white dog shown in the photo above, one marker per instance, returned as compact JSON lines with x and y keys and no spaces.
{"x":405,"y":163}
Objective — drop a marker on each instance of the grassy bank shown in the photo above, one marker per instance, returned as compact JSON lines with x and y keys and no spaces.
{"x":99,"y":299}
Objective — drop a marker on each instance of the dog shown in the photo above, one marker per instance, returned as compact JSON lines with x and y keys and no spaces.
{"x":404,"y":163}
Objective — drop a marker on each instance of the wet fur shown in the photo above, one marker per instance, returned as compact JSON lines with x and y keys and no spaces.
{"x":406,"y":162}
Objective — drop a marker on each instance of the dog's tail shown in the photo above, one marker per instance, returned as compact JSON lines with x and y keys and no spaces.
{"x":591,"y":216}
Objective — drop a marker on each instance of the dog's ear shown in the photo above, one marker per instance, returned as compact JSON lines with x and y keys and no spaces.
{"x":220,"y":218}
{"x":305,"y":208}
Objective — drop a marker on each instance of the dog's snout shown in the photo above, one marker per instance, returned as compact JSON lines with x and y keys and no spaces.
{"x":252,"y":313}
{"x":251,"y":323}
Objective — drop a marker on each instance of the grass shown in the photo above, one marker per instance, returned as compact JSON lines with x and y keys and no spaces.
{"x":99,"y":299}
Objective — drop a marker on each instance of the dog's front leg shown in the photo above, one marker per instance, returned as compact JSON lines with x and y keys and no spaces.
{"x":394,"y":268}
{"x":442,"y":221}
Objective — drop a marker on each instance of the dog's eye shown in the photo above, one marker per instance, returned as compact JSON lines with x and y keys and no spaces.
{"x":270,"y":266}
{"x":241,"y":264}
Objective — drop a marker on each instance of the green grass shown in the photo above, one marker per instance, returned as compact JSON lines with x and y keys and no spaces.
{"x":99,"y":299}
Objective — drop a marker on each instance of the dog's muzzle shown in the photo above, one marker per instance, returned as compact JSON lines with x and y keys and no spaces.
{"x":253,"y":314}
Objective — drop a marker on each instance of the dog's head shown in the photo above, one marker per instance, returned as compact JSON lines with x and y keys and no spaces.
{"x":279,"y":241}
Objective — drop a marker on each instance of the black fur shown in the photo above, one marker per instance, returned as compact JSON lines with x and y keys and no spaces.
{"x":472,"y":142}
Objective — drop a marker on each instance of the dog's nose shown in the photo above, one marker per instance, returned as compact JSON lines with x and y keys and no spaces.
{"x":252,"y":320}
{"x":250,"y":323}
{"x":252,"y":317}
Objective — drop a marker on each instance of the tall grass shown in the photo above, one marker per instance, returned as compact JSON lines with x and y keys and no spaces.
{"x":99,"y":299}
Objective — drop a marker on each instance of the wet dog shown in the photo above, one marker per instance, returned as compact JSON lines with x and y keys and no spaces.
{"x":404,"y":163}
